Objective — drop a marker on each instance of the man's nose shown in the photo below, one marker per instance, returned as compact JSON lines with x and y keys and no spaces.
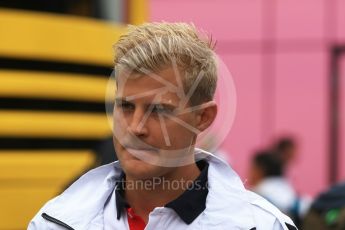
{"x":137,"y":125}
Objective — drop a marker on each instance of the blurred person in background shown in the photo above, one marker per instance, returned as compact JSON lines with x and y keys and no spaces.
{"x":327,"y":211}
{"x":139,"y":191}
{"x":266,"y":177}
{"x":286,"y":149}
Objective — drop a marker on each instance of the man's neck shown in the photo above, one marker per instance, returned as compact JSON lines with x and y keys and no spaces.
{"x":143,"y":199}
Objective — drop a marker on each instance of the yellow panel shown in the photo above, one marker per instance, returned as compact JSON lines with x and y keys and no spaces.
{"x":138,"y":11}
{"x":53,"y":124}
{"x":56,"y":164}
{"x":52,"y":85}
{"x":28,"y":179}
{"x":19,"y":206}
{"x":57,"y":37}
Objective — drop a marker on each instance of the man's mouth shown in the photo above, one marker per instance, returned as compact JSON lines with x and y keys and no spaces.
{"x":141,"y":148}
{"x":136,"y":150}
{"x":145,"y":154}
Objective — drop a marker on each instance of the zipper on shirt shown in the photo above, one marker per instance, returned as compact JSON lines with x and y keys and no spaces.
{"x":56,"y":221}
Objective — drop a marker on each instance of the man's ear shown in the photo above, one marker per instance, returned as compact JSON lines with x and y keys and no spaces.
{"x":207,"y":115}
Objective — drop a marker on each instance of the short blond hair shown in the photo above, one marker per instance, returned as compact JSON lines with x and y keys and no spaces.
{"x":153,"y":46}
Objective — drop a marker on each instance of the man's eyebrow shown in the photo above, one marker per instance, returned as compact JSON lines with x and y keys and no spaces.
{"x":121,"y":100}
{"x":166,"y":105}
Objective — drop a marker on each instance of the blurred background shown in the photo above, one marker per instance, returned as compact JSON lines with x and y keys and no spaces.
{"x":287,"y":59}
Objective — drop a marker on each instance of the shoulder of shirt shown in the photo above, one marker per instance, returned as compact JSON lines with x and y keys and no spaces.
{"x":264,"y":210}
{"x":247,"y":208}
{"x":102,"y":178}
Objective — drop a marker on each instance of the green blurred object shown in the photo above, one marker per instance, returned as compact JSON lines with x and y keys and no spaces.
{"x":332,"y":216}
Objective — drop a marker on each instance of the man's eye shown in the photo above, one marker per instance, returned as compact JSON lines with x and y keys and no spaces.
{"x":159,"y":109}
{"x":125,"y":106}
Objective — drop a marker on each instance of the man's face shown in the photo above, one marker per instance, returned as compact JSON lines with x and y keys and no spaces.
{"x":149,"y":128}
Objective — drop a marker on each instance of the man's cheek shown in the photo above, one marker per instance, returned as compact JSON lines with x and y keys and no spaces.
{"x":120,"y":125}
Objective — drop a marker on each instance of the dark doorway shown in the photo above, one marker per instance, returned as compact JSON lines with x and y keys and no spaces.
{"x":337,"y":115}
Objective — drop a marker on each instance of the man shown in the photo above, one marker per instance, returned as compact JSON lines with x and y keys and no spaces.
{"x":166,"y":78}
{"x":267,"y":179}
{"x":286,"y":149}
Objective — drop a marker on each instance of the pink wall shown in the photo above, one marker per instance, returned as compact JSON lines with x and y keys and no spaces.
{"x":278,"y":53}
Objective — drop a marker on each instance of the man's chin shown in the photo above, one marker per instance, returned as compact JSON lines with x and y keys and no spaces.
{"x":139,"y":169}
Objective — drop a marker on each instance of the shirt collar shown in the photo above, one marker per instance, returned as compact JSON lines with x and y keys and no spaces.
{"x":121,"y":202}
{"x":188,"y":206}
{"x":192,"y":202}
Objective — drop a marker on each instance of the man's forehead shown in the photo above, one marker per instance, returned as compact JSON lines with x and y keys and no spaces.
{"x":167,"y":98}
{"x":165,"y":77}
{"x":159,"y":86}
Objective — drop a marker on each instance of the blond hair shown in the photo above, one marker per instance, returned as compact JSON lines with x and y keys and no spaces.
{"x":154,"y":46}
